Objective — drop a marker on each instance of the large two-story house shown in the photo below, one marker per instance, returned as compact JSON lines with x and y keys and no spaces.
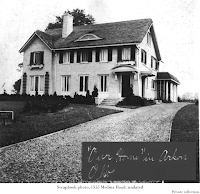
{"x":113,"y":56}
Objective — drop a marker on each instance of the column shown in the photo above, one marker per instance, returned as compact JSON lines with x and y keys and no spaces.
{"x":167,"y":90}
{"x":175,"y":95}
{"x":164,"y":90}
{"x":172,"y":92}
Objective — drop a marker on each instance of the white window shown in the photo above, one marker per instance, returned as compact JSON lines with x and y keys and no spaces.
{"x":83,"y":80}
{"x":67,"y":58}
{"x":65,"y":79}
{"x":126,"y":54}
{"x":84,"y":56}
{"x":148,"y":39}
{"x":103,"y":80}
{"x":153,"y":84}
{"x":37,"y":83}
{"x":103,"y":55}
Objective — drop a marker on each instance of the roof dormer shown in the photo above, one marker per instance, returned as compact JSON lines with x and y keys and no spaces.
{"x":87,"y":37}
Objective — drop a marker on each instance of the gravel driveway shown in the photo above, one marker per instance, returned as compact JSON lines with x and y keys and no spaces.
{"x":57,"y":157}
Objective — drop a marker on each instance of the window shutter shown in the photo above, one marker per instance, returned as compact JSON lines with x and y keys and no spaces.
{"x":119,"y":53}
{"x":31,"y":58}
{"x":71,"y":56}
{"x":142,"y":55}
{"x":97,"y":55}
{"x":109,"y":54}
{"x":145,"y":58}
{"x":60,"y":57}
{"x":89,"y":55}
{"x":132,"y":53}
{"x":42,"y":58}
{"x":157,"y":65}
{"x":78,"y":56}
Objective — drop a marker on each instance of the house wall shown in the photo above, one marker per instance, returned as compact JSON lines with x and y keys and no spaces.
{"x":150,"y":50}
{"x":93,"y":69}
{"x":37,"y":45}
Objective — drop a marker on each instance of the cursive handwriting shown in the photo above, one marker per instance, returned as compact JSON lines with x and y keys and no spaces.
{"x":104,"y":173}
{"x":93,"y":155}
{"x":166,"y":156}
{"x":120,"y":156}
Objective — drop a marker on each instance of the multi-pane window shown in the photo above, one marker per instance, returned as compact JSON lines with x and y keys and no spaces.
{"x":83,"y":86}
{"x":153,"y":84}
{"x":37,"y":83}
{"x":148,"y":39}
{"x":153,"y":63}
{"x":126,"y":54}
{"x":103,"y":80}
{"x":84,"y":55}
{"x":143,"y":56}
{"x":66,"y":57}
{"x":65,"y":79}
{"x":103,"y":55}
{"x":37,"y":58}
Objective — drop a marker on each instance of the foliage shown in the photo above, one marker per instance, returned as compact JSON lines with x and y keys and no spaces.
{"x":197,"y":102}
{"x":80,"y":18}
{"x":166,"y":101}
{"x":136,"y":101}
{"x":80,"y":99}
{"x":40,"y":104}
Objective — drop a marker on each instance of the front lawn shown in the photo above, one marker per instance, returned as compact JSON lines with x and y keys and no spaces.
{"x":185,"y":128}
{"x":27,"y":126}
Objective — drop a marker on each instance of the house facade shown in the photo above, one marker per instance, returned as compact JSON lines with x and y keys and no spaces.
{"x":112,"y":56}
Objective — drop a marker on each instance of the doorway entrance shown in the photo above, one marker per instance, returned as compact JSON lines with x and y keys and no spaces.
{"x":125,"y":84}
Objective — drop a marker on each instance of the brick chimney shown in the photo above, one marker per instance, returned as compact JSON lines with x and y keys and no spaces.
{"x":67,"y":24}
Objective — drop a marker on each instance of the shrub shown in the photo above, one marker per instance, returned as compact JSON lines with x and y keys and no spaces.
{"x":45,"y":104}
{"x":79,"y":99}
{"x":166,"y":101}
{"x":136,"y":101}
{"x":197,"y":102}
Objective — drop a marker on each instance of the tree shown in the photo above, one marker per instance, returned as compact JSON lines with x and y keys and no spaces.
{"x":17,"y":85}
{"x":80,"y":18}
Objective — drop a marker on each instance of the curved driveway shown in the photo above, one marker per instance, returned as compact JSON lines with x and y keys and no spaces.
{"x":57,"y":157}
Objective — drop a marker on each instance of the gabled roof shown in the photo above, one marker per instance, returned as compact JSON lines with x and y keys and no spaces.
{"x":111,"y":33}
{"x":44,"y":37}
{"x":167,"y":76}
{"x":115,"y":33}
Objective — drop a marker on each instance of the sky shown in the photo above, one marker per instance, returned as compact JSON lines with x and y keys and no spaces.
{"x":175,"y":22}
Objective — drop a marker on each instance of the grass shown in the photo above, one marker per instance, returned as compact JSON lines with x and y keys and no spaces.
{"x":27,"y":126}
{"x":185,"y":128}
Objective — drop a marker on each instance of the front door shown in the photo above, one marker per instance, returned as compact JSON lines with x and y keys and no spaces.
{"x":125,"y":84}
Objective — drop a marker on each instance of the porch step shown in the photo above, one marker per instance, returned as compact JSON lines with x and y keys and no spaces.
{"x":111,"y":101}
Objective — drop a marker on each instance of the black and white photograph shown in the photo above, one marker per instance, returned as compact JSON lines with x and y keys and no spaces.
{"x":99,"y":95}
